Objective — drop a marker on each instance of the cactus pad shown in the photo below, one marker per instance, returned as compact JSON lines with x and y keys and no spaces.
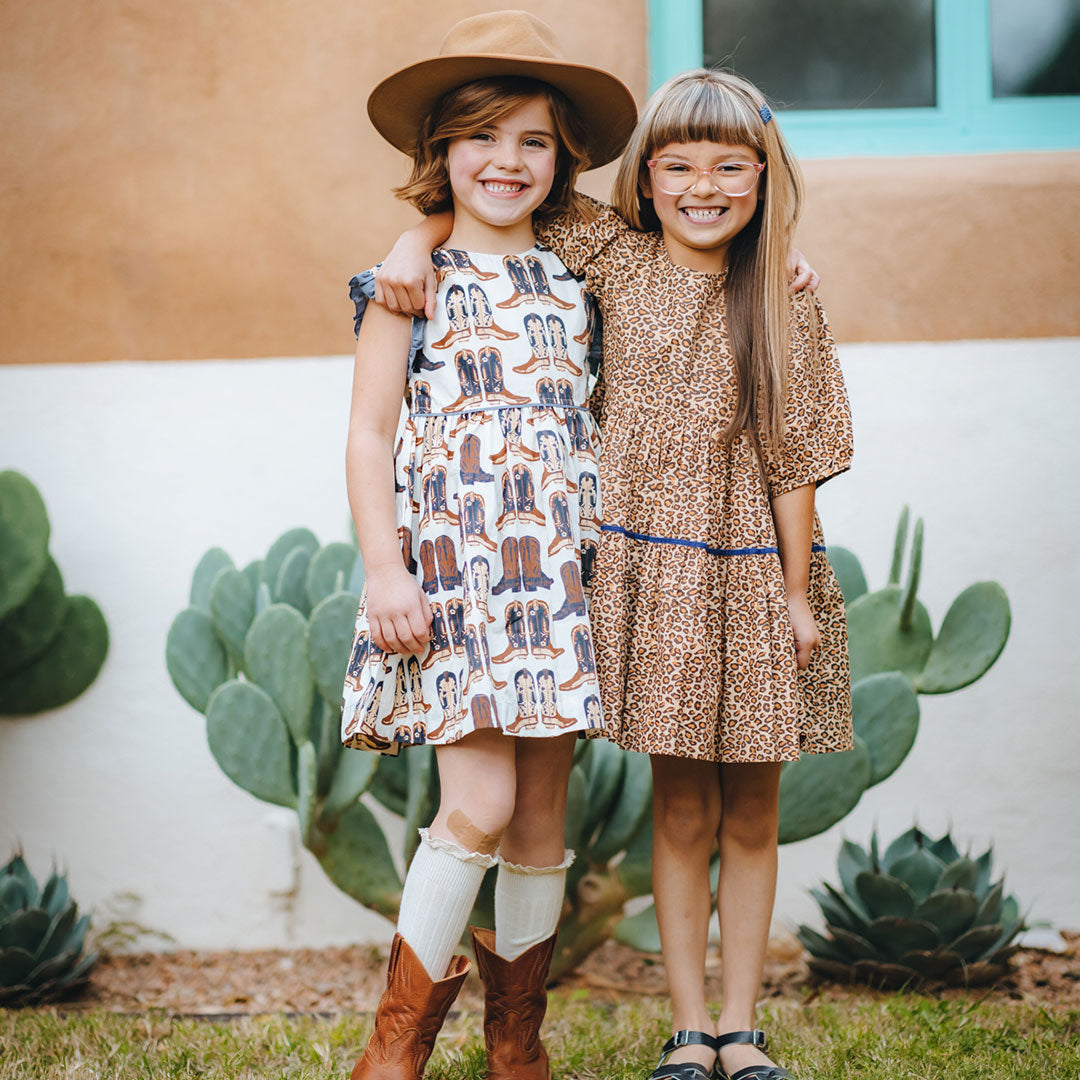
{"x":24,"y":539}
{"x":232,"y":608}
{"x":27,"y":631}
{"x":329,"y":639}
{"x":66,"y":668}
{"x":848,"y":571}
{"x":357,"y":859}
{"x":876,"y":640}
{"x":820,"y":789}
{"x":250,"y":741}
{"x":208,"y":568}
{"x":275,"y":656}
{"x":971,"y":638}
{"x":886,"y":711}
{"x":323,"y":570}
{"x":195,"y":657}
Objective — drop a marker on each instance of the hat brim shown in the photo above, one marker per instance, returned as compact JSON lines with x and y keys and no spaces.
{"x":400,"y":103}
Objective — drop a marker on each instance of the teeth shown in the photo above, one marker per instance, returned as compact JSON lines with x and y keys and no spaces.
{"x":494,"y":185}
{"x":697,"y":214}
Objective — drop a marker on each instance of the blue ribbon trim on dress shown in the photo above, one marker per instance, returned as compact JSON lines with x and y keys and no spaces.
{"x":708,"y":548}
{"x":503,"y":408}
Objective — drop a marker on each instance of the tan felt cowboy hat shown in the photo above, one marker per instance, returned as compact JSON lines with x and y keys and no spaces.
{"x":504,"y":43}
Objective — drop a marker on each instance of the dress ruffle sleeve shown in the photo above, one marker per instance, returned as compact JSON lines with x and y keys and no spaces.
{"x":818,"y":439}
{"x":361,"y":290}
{"x":588,"y":247}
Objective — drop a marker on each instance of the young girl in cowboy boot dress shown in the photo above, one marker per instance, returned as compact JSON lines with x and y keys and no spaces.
{"x":474,"y":514}
{"x":718,"y":623}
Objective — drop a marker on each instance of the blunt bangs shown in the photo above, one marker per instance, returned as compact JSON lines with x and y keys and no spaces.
{"x":700,"y":110}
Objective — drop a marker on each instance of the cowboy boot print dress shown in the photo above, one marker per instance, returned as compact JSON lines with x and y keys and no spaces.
{"x":497,"y":510}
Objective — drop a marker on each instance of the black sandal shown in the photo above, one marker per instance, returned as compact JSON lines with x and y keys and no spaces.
{"x":751,"y":1072}
{"x":686,"y":1070}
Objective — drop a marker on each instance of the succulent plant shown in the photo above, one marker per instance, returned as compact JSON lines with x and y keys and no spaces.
{"x":895,"y":656}
{"x":262,"y":652}
{"x":922,"y":912}
{"x":41,"y":938}
{"x":52,"y":646}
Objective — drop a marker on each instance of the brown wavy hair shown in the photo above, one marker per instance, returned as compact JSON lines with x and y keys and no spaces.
{"x":718,"y":106}
{"x":474,"y":106}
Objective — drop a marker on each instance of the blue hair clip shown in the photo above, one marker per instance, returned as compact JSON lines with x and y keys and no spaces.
{"x":765,"y":112}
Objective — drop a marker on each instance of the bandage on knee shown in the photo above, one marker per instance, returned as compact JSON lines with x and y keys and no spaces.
{"x":470,"y":836}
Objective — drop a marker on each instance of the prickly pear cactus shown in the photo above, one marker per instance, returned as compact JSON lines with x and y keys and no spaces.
{"x":52,"y":645}
{"x":921,"y":912}
{"x":41,"y":938}
{"x":262,"y":653}
{"x":895,"y":656}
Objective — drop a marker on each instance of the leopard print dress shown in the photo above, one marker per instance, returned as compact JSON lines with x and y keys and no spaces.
{"x":694,"y":646}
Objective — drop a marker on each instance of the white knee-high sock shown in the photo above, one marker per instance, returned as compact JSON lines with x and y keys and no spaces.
{"x":440,"y":890}
{"x":528,"y":902}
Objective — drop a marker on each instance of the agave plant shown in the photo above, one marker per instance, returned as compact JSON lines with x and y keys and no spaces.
{"x":41,"y":938}
{"x":923,"y":912}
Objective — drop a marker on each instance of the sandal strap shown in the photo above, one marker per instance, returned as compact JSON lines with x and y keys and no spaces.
{"x":688,"y":1070}
{"x":689,"y":1038}
{"x":754,"y":1038}
{"x":762,"y":1072}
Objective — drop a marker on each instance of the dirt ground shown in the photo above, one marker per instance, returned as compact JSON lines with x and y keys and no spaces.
{"x":337,"y":980}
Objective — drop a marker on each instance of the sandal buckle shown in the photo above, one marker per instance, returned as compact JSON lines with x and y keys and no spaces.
{"x":759,"y":1039}
{"x":681,"y":1038}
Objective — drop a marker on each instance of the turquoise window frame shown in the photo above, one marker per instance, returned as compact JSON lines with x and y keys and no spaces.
{"x":967,"y":117}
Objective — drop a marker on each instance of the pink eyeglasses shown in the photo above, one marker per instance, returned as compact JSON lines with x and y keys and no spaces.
{"x":732,"y":178}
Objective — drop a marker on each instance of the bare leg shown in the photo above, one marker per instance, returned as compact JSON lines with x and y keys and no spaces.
{"x":748,"y":855}
{"x":534,"y":835}
{"x":686,"y":817}
{"x":477,"y":780}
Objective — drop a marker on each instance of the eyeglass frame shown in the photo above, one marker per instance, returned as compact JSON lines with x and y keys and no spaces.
{"x":757,"y":166}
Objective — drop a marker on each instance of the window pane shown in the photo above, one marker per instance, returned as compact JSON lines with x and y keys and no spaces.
{"x":1036,"y":47}
{"x":827,"y":54}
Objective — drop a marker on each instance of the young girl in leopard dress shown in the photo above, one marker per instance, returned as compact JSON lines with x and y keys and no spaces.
{"x":477,"y":513}
{"x":719,"y":625}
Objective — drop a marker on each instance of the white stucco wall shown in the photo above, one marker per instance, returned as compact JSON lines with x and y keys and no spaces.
{"x":144,"y":466}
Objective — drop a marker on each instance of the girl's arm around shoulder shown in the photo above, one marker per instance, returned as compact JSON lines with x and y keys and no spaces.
{"x":397,"y":609}
{"x":587,"y":237}
{"x":405,"y":279}
{"x":817,"y":442}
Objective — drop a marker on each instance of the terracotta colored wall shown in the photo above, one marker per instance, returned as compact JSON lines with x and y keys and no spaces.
{"x":939,"y":248}
{"x":200,"y":180}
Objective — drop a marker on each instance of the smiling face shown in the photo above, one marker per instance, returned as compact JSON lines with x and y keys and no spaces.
{"x":700,"y":224}
{"x":499,"y":175}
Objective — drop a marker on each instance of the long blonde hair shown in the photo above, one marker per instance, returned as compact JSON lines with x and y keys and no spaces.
{"x":717,"y":106}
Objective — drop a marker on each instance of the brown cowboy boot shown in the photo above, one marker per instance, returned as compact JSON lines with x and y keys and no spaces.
{"x":410,"y":1013}
{"x":514,"y":1005}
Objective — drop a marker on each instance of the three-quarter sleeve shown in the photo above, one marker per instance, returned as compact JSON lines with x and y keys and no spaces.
{"x":817,"y":440}
{"x":361,"y":290}
{"x":586,"y":245}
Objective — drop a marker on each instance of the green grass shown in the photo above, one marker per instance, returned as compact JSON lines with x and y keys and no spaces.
{"x":904,"y":1037}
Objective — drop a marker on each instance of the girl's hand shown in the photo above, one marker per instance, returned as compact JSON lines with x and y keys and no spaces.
{"x":807,"y":635}
{"x":398,"y":612}
{"x":405,"y":282}
{"x":803,"y":275}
